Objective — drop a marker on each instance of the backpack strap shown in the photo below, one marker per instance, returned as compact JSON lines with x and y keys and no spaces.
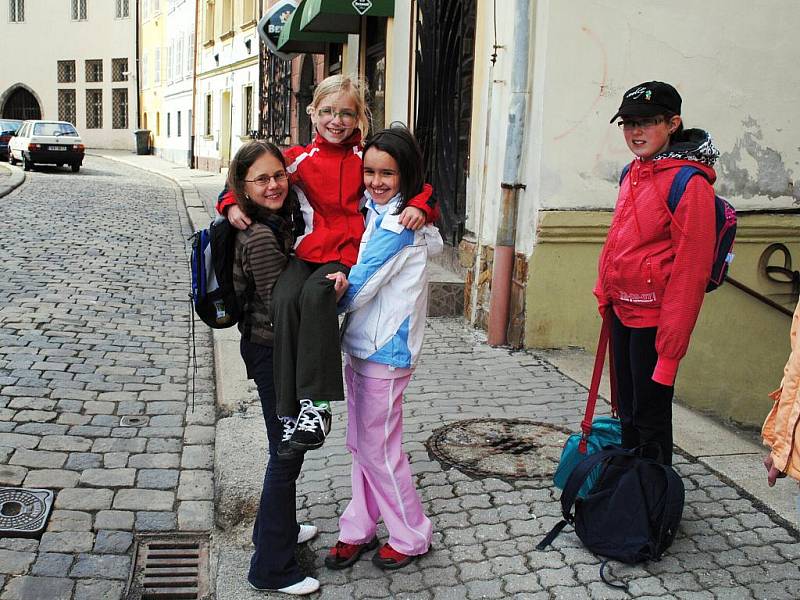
{"x":672,"y":511}
{"x":625,"y":171}
{"x":679,"y":184}
{"x":597,"y":374}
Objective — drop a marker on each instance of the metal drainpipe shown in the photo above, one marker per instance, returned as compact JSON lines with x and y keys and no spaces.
{"x":505,"y":240}
{"x":137,"y":62}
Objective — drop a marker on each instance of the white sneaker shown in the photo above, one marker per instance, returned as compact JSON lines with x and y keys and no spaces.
{"x":306,"y":533}
{"x":309,"y":585}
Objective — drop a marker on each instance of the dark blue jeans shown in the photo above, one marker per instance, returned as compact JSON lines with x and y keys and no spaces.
{"x":273,"y":564}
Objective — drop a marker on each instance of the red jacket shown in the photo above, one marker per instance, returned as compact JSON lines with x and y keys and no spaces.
{"x":329,"y":182}
{"x":655,"y":265}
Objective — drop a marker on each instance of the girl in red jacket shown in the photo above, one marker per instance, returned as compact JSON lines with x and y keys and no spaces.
{"x":327,"y":176}
{"x":655,"y":264}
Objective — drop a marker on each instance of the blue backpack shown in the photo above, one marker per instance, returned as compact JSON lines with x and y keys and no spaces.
{"x":725,"y":222}
{"x":213,"y":295}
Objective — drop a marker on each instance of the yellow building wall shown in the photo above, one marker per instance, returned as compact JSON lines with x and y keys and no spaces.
{"x":739,"y":345}
{"x":153,"y":35}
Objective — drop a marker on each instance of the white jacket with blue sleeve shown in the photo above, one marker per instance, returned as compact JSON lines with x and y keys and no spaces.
{"x":388,"y":294}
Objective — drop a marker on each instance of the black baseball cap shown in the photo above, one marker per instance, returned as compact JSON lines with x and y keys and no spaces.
{"x":649,"y":99}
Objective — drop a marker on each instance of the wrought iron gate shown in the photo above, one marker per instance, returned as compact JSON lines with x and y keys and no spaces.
{"x":445,"y":56}
{"x":21,"y":105}
{"x":275,"y":99}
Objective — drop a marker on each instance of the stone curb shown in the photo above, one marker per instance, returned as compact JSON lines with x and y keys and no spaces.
{"x":14,"y":180}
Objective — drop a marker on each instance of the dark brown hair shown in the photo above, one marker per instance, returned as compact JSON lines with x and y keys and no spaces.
{"x":237,"y":172}
{"x":399,"y":143}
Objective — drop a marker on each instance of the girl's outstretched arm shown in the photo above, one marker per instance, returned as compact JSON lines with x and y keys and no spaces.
{"x":422,"y":208}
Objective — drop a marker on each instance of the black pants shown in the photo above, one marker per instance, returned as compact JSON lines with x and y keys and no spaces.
{"x":308,"y":357}
{"x":273,"y":564}
{"x":645,"y":407}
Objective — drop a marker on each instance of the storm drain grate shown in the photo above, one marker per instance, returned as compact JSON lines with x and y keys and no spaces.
{"x":170,"y":569}
{"x":502,"y":448}
{"x":24,"y":512}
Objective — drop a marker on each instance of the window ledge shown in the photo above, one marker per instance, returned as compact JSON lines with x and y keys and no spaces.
{"x":246,"y":138}
{"x":208,"y":43}
{"x":208,"y":137}
{"x":248,"y":24}
{"x":227,"y":35}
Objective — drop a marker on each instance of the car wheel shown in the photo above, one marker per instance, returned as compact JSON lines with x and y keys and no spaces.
{"x":11,"y":160}
{"x":75,"y":168}
{"x":26,"y":164}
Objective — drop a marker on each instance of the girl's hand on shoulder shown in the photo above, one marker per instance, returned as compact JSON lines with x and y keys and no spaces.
{"x":237,"y":218}
{"x":412,"y":218}
{"x":340,"y":284}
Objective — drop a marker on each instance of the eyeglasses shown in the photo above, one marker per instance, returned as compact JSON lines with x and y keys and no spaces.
{"x":346,"y":115}
{"x":263,"y":180}
{"x":646,"y":123}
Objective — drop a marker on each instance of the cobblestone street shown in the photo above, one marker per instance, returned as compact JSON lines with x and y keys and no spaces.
{"x":486,"y":530}
{"x":94,"y":327}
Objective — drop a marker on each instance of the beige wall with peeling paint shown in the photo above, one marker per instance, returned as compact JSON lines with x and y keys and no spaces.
{"x":733,"y":61}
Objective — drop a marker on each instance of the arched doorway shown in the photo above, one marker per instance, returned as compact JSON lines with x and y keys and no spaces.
{"x":21,"y":104}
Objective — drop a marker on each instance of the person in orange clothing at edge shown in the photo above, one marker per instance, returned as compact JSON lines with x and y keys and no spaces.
{"x":327,"y":177}
{"x":781,"y":431}
{"x":655,"y":265}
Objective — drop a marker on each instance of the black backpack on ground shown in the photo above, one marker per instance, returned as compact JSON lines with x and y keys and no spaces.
{"x":631,"y":514}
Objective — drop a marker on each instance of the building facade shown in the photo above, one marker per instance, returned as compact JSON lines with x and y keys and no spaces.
{"x":177,"y":144}
{"x":551,"y":203}
{"x":85,"y":74}
{"x":227,"y":80}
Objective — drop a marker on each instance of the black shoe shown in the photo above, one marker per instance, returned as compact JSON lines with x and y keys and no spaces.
{"x":285,"y":449}
{"x":313,"y":424}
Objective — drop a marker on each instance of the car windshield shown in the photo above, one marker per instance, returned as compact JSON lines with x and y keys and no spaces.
{"x":54,"y":129}
{"x":10,"y":125}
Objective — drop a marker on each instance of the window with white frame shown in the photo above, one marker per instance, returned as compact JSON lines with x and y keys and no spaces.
{"x":119,"y":108}
{"x":207,"y":122}
{"x":157,"y":66}
{"x":247,"y":109}
{"x":119,"y":69}
{"x":123,"y":9}
{"x":94,"y":109}
{"x":66,"y":71}
{"x":78,"y":10}
{"x":145,"y":10}
{"x":227,"y":17}
{"x":248,"y":12}
{"x":189,"y":54}
{"x":16,"y":11}
{"x":66,"y":106}
{"x":145,"y":71}
{"x":178,"y":58}
{"x":208,"y":22}
{"x":169,"y":62}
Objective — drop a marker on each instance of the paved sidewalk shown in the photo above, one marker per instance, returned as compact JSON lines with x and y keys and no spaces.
{"x":729,"y":545}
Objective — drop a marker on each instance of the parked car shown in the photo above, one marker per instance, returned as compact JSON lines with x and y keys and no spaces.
{"x":8,"y":127}
{"x":46,"y":142}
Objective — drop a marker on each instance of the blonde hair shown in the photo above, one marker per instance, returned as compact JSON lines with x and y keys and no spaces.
{"x":352,"y":85}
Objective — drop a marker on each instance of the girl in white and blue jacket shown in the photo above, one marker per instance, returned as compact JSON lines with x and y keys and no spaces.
{"x":385,"y":297}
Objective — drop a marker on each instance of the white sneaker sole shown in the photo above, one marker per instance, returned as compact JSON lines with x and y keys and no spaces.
{"x":309,"y":585}
{"x":307,"y":532}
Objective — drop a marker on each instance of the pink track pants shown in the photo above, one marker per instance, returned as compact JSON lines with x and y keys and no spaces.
{"x":381,"y":475}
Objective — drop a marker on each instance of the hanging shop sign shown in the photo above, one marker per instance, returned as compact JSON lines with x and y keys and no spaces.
{"x":362,"y":6}
{"x":271,"y":25}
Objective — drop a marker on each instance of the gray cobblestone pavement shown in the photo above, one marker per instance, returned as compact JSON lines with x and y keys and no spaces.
{"x":486,"y":529}
{"x":94,"y":326}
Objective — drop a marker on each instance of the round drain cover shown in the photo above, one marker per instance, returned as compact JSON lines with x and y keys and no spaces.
{"x":502,"y":448}
{"x":23,"y":512}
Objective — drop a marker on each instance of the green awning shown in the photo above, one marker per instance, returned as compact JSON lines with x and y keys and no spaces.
{"x":342,"y":16}
{"x":293,"y":40}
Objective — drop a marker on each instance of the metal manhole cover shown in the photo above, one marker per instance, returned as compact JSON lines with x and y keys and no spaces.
{"x":24,"y":512}
{"x":502,"y":448}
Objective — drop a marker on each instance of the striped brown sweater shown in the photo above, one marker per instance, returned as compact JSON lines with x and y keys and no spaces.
{"x":259,"y":259}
